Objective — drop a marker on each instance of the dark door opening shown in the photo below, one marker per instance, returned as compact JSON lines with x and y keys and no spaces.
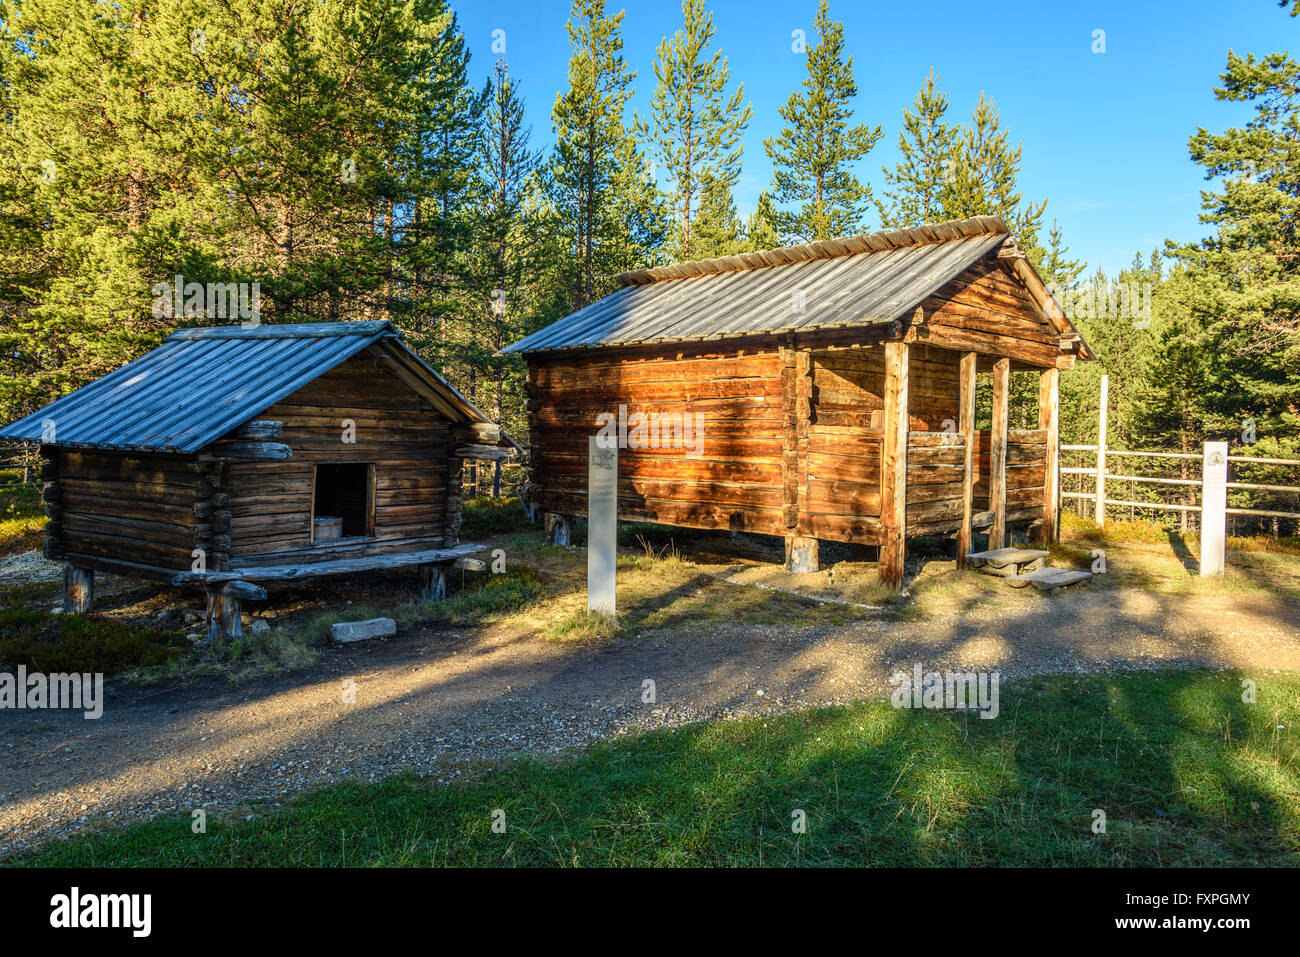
{"x":343,"y":492}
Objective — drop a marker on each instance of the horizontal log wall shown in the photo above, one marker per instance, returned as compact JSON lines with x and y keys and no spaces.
{"x":137,"y":508}
{"x":733,"y":481}
{"x":987,"y":311}
{"x":271,"y":501}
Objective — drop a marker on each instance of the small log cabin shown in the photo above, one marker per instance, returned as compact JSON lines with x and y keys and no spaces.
{"x":235,"y":455}
{"x":828,"y":391}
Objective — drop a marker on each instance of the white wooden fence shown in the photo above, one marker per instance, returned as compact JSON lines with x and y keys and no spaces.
{"x":1213,"y":481}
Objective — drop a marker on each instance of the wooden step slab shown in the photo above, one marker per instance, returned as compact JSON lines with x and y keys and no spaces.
{"x":1049,"y":578}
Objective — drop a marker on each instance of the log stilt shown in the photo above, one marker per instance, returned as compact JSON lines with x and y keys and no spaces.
{"x":223,"y":616}
{"x":801,"y":554}
{"x":559,"y":529}
{"x":433,"y":582}
{"x":78,"y":589}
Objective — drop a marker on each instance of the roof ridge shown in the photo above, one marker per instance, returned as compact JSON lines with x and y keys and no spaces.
{"x":286,"y":330}
{"x":882,"y":241}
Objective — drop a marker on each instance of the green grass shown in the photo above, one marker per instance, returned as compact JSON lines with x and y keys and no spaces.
{"x":483,"y":517}
{"x":47,"y":642}
{"x":1185,"y":772}
{"x":22,"y":519}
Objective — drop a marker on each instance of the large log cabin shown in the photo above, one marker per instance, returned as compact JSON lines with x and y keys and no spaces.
{"x":235,"y":455}
{"x":833,"y":385}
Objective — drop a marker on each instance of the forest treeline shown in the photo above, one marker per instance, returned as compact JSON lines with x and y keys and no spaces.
{"x":340,"y":156}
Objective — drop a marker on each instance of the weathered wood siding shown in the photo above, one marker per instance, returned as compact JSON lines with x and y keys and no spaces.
{"x":135,"y":507}
{"x":1026,"y":471}
{"x":986,"y":310}
{"x":271,"y":501}
{"x":733,"y":481}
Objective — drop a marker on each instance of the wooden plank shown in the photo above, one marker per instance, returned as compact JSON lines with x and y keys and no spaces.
{"x":894,"y":465}
{"x":1049,"y":421}
{"x":281,"y":573}
{"x":998,"y":452}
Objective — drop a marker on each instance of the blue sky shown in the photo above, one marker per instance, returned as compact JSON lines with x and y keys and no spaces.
{"x":1104,"y":134}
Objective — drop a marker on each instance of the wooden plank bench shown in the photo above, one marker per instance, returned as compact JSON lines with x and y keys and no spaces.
{"x":1008,"y":561}
{"x":226,"y":588}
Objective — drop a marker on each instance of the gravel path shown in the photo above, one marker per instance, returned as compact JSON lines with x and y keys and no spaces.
{"x":437,"y":702}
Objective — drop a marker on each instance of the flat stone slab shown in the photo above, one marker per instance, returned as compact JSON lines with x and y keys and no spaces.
{"x":1008,"y":561}
{"x":1046,"y":579}
{"x":347,"y":632}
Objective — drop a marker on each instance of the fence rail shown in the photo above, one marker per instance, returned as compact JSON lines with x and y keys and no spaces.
{"x":1213,"y":481}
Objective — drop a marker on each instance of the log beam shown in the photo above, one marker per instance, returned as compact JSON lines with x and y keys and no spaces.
{"x":893,"y":470}
{"x":966,"y":426}
{"x":998,"y":453}
{"x":1049,"y":420}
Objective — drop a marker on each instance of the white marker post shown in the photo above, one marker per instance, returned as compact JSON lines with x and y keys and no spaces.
{"x":1214,"y":504}
{"x":602,"y":524}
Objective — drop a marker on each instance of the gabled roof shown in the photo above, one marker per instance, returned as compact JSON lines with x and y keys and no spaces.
{"x":834,"y":283}
{"x":201,"y":384}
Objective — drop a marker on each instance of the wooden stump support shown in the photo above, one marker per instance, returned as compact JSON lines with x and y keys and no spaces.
{"x":224,"y":616}
{"x":78,"y":589}
{"x":433,"y":582}
{"x":559,"y":529}
{"x":801,"y":554}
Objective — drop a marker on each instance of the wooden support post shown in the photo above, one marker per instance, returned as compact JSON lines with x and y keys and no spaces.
{"x":78,"y":589}
{"x":893,"y":468}
{"x":1100,"y":512}
{"x":801,"y":554}
{"x":966,"y":426}
{"x":224,"y":617}
{"x":998,"y":453}
{"x":1049,"y":420}
{"x":433,"y":582}
{"x":558,"y":529}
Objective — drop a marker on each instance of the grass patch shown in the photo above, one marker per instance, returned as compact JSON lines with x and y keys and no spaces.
{"x":488,"y":598}
{"x":48,"y":643}
{"x":1187,"y":775}
{"x":22,"y":520}
{"x":483,"y":517}
{"x":585,"y":625}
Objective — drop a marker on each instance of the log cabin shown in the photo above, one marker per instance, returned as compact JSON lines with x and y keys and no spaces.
{"x":832,"y":386}
{"x":234,"y":455}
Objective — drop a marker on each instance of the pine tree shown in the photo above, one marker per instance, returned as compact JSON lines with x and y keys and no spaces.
{"x":697,"y":127}
{"x":814,"y":152}
{"x":761,"y":229}
{"x":984,"y":178}
{"x":916,"y":186}
{"x":591,"y":138}
{"x":719,"y":232}
{"x":1057,"y":270}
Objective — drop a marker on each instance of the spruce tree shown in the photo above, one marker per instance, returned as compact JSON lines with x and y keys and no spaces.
{"x":761,"y":229}
{"x":814,"y":153}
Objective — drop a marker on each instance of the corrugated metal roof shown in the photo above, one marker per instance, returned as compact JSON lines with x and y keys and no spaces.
{"x":201,"y":384}
{"x":835,"y":283}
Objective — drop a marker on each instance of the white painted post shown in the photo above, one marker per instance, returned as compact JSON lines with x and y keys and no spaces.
{"x":1214,"y":504}
{"x":602,"y":525}
{"x":1100,"y":512}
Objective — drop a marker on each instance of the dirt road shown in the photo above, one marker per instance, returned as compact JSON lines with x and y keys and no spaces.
{"x":438,"y":701}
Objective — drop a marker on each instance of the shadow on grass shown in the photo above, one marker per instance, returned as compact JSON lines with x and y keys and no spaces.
{"x":1185,"y":773}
